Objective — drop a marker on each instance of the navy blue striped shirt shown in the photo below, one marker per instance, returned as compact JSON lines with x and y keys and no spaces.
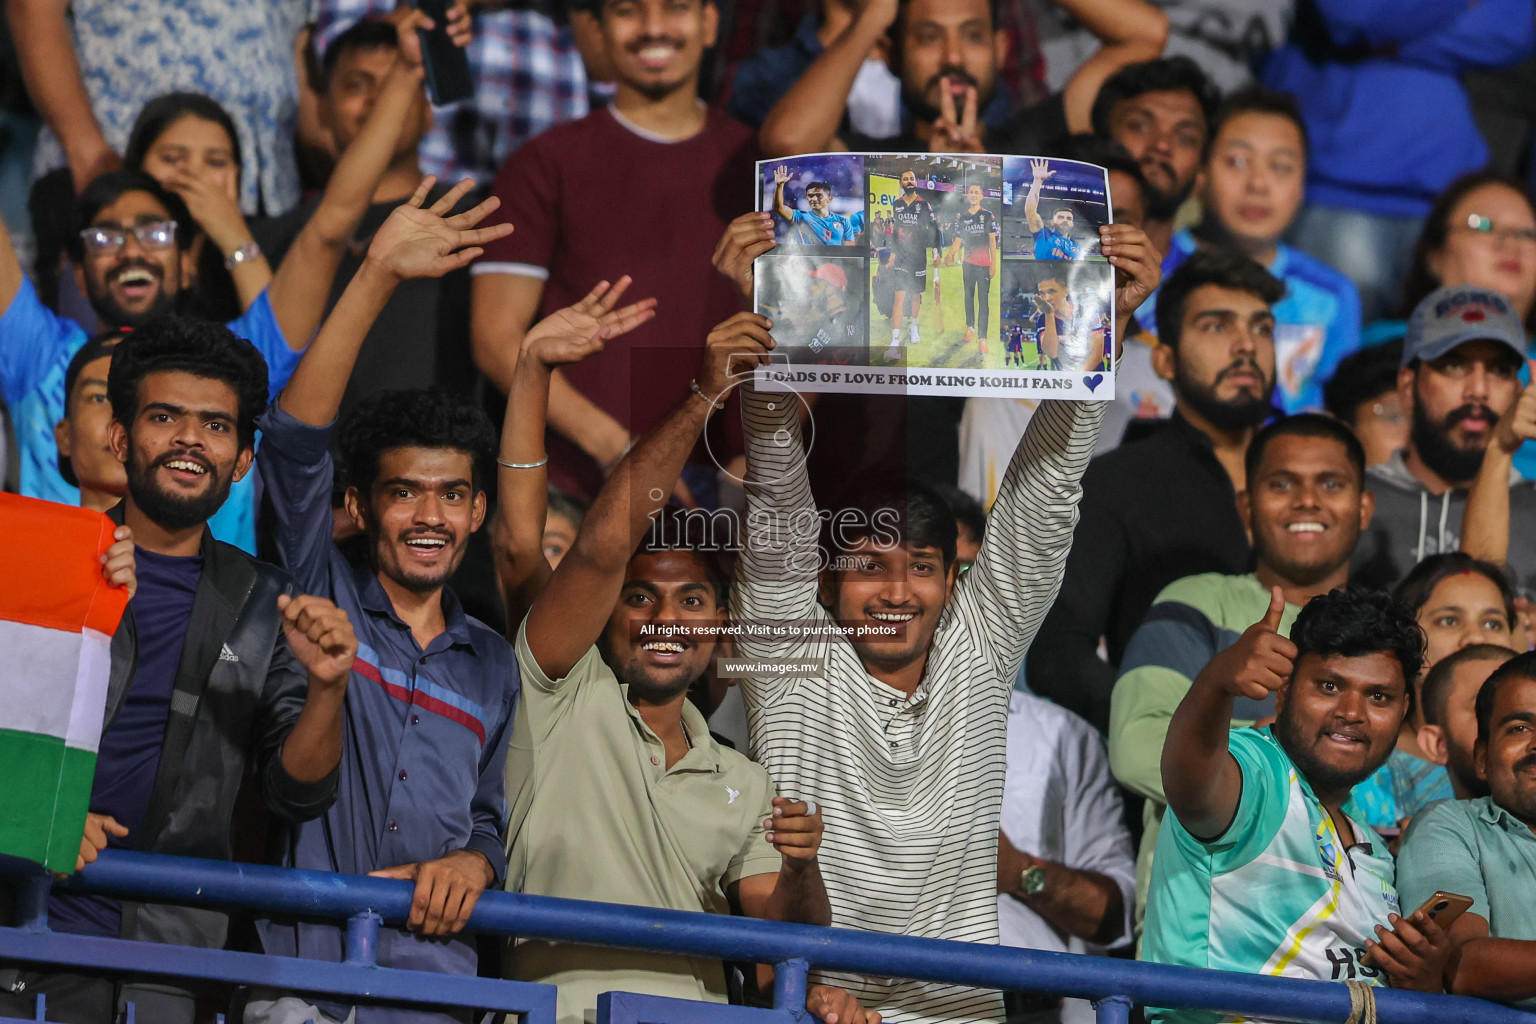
{"x":426,"y":730}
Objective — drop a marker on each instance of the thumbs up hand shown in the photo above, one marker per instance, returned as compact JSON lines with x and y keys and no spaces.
{"x":1261,"y":660}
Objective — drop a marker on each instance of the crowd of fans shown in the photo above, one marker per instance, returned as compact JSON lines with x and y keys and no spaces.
{"x":1231,"y":671}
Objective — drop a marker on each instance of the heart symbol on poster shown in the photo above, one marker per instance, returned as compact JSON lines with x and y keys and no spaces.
{"x":1094,"y":381}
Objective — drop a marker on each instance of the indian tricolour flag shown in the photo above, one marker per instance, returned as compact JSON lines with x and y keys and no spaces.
{"x":57,"y":617}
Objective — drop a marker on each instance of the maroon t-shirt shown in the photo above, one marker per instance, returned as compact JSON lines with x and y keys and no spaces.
{"x":593,"y":200}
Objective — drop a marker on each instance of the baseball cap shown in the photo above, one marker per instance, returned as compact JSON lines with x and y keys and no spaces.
{"x":1452,"y":316}
{"x":832,"y":274}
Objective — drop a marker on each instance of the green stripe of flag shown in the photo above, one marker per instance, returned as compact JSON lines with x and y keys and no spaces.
{"x":44,"y":797}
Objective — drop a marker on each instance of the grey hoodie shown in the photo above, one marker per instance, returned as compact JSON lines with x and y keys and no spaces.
{"x":1411,"y":523}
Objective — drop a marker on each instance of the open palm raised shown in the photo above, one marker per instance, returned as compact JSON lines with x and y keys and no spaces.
{"x":571,"y":334}
{"x":426,"y":242}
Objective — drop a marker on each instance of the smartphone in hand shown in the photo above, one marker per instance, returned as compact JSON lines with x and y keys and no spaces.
{"x":1443,"y":908}
{"x":446,"y":64}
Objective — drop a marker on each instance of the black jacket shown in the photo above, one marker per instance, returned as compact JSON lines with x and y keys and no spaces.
{"x":1153,"y":511}
{"x":238,"y":693}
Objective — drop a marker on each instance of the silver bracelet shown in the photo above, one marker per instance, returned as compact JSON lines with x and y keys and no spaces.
{"x":523,"y":465}
{"x":714,"y":404}
{"x":247,"y":250}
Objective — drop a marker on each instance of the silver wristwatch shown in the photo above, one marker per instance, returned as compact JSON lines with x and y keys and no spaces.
{"x":247,"y":250}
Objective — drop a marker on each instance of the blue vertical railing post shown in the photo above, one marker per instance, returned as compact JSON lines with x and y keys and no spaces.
{"x":363,"y":939}
{"x":32,"y":903}
{"x":1112,"y":1010}
{"x":789,"y":981}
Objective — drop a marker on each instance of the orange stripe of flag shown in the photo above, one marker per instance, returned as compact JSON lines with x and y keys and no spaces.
{"x":52,"y":575}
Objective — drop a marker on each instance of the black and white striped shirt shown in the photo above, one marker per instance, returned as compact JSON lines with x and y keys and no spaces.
{"x":912,"y":787}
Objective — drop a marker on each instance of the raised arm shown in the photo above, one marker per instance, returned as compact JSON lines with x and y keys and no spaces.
{"x":780,"y":179}
{"x":1201,"y":779}
{"x":413,"y":242}
{"x":1040,"y":171}
{"x":1485,"y":526}
{"x":52,"y":76}
{"x":570,"y":612}
{"x":301,"y":285}
{"x":1129,"y":31}
{"x":566,"y":336}
{"x":806,"y":119}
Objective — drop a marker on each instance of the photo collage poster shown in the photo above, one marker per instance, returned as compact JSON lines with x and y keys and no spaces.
{"x":937,"y":274}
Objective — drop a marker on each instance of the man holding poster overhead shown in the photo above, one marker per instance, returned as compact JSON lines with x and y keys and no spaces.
{"x":901,"y":735}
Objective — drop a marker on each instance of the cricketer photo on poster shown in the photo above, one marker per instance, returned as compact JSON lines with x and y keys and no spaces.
{"x":945,"y":274}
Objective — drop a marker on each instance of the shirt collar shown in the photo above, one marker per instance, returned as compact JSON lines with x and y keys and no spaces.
{"x":704,"y":754}
{"x":1498,"y":817}
{"x":375,"y":601}
{"x":1362,"y":836}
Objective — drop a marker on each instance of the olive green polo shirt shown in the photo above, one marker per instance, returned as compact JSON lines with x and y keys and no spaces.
{"x":597,"y":815}
{"x":1477,"y":849}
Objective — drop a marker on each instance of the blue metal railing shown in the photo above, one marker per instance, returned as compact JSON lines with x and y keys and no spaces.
{"x":366,"y":903}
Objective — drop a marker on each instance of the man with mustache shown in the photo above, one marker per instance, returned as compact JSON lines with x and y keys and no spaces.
{"x":1305,"y":505}
{"x":1459,"y":374}
{"x":1160,"y":110}
{"x":1265,"y":865}
{"x":218,"y":671}
{"x":1164,"y":507}
{"x":947,"y":54}
{"x":644,"y":186}
{"x":1484,"y":847}
{"x":432,"y":691}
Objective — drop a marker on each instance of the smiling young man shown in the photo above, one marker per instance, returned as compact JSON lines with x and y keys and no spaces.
{"x":1485,"y":848}
{"x":1264,"y":865}
{"x":902,"y":735}
{"x":218,"y":671}
{"x":1252,"y":184}
{"x":430,"y":704}
{"x":619,"y":793}
{"x":1305,"y":505}
{"x":644,"y":186}
{"x":1459,"y":374}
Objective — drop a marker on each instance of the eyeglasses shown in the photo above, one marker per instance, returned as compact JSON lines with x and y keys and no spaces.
{"x":160,"y":234}
{"x":1477,"y":222}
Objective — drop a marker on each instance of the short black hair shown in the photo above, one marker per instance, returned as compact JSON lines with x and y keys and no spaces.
{"x":1414,"y":589}
{"x":1256,"y":99}
{"x":1210,"y":265}
{"x":1355,"y":621}
{"x":559,"y":503}
{"x":1436,"y":689}
{"x":1520,"y":667}
{"x":101,"y":345}
{"x":824,"y":186}
{"x":968,"y":511}
{"x":1360,"y":377}
{"x":1088,"y":148}
{"x":595,"y":7}
{"x":108,"y":188}
{"x":182,"y":344}
{"x":163,"y":111}
{"x":414,"y":418}
{"x":1306,"y":424}
{"x":907,"y":511}
{"x":694,"y":532}
{"x":1165,"y":74}
{"x":364,"y":34}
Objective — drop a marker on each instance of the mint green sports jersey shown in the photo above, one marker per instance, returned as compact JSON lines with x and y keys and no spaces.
{"x":1277,"y":894}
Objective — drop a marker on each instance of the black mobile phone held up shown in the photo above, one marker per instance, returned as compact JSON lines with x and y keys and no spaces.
{"x":446,"y":65}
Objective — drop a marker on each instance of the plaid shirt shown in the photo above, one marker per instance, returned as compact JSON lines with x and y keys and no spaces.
{"x":528,"y":77}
